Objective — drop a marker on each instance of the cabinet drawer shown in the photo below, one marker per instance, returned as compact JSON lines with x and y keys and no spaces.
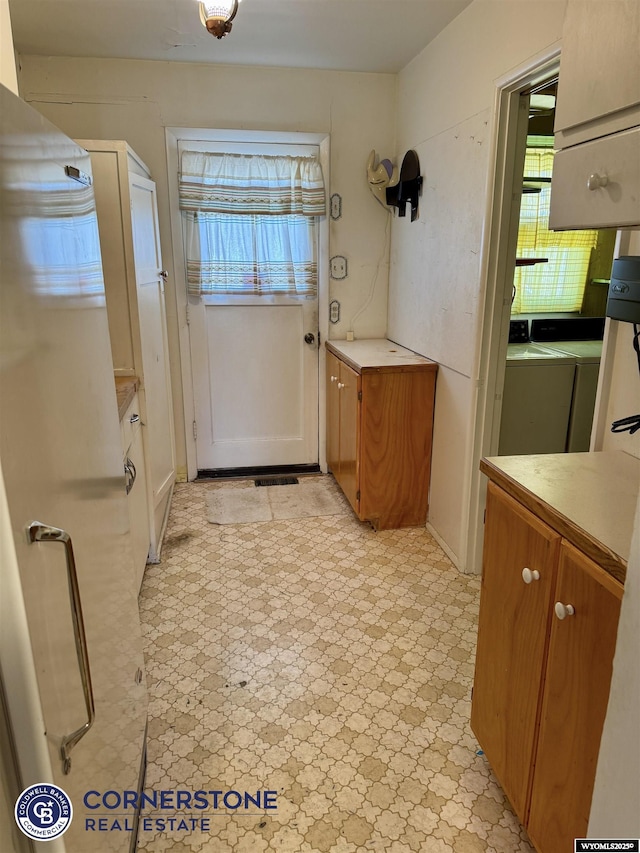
{"x":577,"y":199}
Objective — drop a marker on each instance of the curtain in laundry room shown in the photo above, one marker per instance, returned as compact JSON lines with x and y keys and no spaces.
{"x":558,"y":284}
{"x":250,"y":223}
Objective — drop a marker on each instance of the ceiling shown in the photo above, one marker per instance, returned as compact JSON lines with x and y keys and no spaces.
{"x":349,"y":35}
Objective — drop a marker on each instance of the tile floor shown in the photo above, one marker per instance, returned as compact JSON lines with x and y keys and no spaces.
{"x":327,"y":662}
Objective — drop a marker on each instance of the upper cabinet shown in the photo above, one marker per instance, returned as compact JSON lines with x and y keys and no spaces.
{"x":596,"y":177}
{"x":134,"y":288}
{"x":599,"y":70}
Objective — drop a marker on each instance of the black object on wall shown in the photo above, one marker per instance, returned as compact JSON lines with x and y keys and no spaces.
{"x":408,"y":188}
{"x":623,"y":302}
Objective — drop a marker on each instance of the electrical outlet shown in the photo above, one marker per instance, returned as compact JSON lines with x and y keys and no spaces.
{"x":338,"y":267}
{"x":334,"y":311}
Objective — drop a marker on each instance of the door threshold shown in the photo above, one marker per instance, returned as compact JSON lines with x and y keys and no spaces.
{"x":259,"y":471}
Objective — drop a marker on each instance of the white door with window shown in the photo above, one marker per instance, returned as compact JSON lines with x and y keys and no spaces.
{"x":253,"y":305}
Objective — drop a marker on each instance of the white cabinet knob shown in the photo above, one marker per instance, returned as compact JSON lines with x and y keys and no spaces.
{"x":596,"y":181}
{"x":564,"y":610}
{"x":334,"y":378}
{"x":528,"y":575}
{"x":340,"y":385}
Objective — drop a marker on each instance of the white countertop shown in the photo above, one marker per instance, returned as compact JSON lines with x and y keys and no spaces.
{"x":377,"y":352}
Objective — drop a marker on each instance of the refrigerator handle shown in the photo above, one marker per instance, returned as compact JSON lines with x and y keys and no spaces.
{"x":39,"y":532}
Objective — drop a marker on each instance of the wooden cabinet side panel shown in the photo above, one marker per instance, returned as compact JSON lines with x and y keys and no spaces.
{"x":575,"y":701}
{"x":349,"y":478}
{"x":397,"y":429}
{"x":333,"y":415}
{"x":512,"y":641}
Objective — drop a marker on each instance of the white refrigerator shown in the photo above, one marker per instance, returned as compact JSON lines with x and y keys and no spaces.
{"x":71,"y":661}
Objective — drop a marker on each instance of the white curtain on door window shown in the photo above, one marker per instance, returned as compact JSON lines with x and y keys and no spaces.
{"x":250,"y":223}
{"x":558,"y":284}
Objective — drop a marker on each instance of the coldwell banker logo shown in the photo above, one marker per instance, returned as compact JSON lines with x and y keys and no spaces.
{"x":43,"y":812}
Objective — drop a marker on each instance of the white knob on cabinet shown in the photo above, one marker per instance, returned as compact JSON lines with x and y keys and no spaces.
{"x":340,"y":385}
{"x":564,"y":610}
{"x":595,"y":181}
{"x":334,"y":378}
{"x":528,"y":575}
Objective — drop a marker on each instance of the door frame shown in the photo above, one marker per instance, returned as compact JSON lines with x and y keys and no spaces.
{"x":491,"y":347}
{"x":175,"y":135}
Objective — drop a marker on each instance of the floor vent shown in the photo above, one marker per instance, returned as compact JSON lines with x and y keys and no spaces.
{"x":277,"y":481}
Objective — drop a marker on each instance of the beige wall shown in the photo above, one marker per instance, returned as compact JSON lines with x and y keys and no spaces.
{"x":8,"y":76}
{"x":445,"y":112}
{"x":135,"y":101}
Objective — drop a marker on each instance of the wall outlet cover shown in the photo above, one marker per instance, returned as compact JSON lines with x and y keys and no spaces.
{"x":338,"y":267}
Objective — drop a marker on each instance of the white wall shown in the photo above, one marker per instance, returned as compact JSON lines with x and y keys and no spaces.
{"x":445,"y":112}
{"x":135,"y":101}
{"x":8,"y":75}
{"x":614,"y":808}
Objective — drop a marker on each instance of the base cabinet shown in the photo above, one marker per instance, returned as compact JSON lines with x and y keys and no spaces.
{"x":546,"y":640}
{"x":380,"y":400}
{"x":343,"y":427}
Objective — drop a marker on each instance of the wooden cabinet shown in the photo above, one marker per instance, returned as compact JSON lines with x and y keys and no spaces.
{"x":542,"y":682}
{"x":136,"y":487}
{"x":343,"y":434}
{"x":596,"y":176}
{"x":575,"y":696}
{"x":134,"y":286}
{"x":512,"y":640}
{"x":380,"y":400}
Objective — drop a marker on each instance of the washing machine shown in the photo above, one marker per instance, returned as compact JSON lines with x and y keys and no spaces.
{"x":536,"y":401}
{"x":587,"y":356}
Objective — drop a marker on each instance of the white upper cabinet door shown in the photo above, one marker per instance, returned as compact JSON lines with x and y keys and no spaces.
{"x":599,"y":86}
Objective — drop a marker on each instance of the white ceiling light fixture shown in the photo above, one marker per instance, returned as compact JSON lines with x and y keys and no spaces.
{"x":217,"y":16}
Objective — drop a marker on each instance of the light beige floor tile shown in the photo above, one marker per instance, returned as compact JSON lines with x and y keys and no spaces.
{"x":328,"y":662}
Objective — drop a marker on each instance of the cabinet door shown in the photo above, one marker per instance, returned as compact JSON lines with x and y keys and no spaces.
{"x":512,"y":640}
{"x":348,"y":388}
{"x":599,"y":63}
{"x":576,"y":693}
{"x":333,"y":415}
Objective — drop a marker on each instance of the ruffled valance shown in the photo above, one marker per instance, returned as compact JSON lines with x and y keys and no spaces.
{"x":252,"y":184}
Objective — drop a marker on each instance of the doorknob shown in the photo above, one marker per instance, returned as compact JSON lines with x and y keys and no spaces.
{"x":309,"y":338}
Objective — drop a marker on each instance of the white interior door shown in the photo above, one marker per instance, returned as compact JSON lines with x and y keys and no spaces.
{"x":255,"y":381}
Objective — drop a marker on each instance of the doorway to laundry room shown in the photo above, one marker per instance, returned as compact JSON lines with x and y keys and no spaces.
{"x":558,"y":298}
{"x":505,"y":243}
